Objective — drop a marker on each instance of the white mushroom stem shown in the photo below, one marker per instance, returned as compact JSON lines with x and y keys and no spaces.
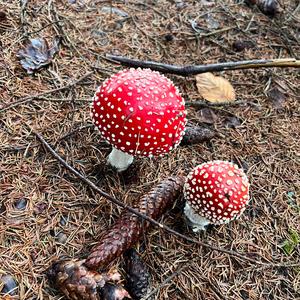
{"x":120,"y":160}
{"x":198,"y":223}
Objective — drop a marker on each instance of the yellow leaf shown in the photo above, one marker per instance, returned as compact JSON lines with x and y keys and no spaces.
{"x":215,"y":88}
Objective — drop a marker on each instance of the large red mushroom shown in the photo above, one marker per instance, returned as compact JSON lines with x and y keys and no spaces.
{"x":216,"y":192}
{"x":140,"y":113}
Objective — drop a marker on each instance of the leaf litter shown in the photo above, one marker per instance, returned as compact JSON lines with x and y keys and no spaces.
{"x":273,"y":171}
{"x":37,"y":54}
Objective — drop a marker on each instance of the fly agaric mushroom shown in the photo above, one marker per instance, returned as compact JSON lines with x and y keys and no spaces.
{"x":141,"y":113}
{"x":216,"y":192}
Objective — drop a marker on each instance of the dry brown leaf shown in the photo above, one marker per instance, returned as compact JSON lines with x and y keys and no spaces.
{"x":277,"y":97}
{"x":206,"y":115}
{"x":215,"y":88}
{"x":37,"y":54}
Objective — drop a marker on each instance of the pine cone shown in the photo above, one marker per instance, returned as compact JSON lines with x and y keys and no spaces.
{"x":129,"y":228}
{"x":195,"y":134}
{"x":268,"y":7}
{"x":73,"y":279}
{"x":250,"y":2}
{"x":137,"y":275}
{"x":113,"y":292}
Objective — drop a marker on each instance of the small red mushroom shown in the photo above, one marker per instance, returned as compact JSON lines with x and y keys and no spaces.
{"x":141,"y":113}
{"x":216,"y":192}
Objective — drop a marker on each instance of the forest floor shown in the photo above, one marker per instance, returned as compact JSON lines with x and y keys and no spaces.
{"x":46,"y":213}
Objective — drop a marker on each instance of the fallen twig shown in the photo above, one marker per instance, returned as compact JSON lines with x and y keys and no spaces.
{"x":193,"y":70}
{"x":209,"y":104}
{"x":23,"y":13}
{"x":218,"y":105}
{"x":151,"y":220}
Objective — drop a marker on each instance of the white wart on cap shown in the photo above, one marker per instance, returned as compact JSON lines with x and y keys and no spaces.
{"x":141,"y":113}
{"x":216,"y":192}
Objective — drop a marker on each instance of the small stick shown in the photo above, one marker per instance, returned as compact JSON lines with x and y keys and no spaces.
{"x":193,"y":70}
{"x":218,"y":105}
{"x":151,"y":220}
{"x":23,"y":17}
{"x":199,"y":103}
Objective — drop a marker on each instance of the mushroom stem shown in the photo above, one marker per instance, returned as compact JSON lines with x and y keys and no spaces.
{"x":197,"y":222}
{"x":120,"y":160}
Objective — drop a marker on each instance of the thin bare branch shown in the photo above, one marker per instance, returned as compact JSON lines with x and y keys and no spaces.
{"x":193,"y":70}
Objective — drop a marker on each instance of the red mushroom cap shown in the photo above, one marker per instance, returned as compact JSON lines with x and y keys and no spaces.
{"x":218,"y":191}
{"x":140,"y":112}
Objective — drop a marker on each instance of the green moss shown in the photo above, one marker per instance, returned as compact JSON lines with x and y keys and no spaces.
{"x":289,"y":245}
